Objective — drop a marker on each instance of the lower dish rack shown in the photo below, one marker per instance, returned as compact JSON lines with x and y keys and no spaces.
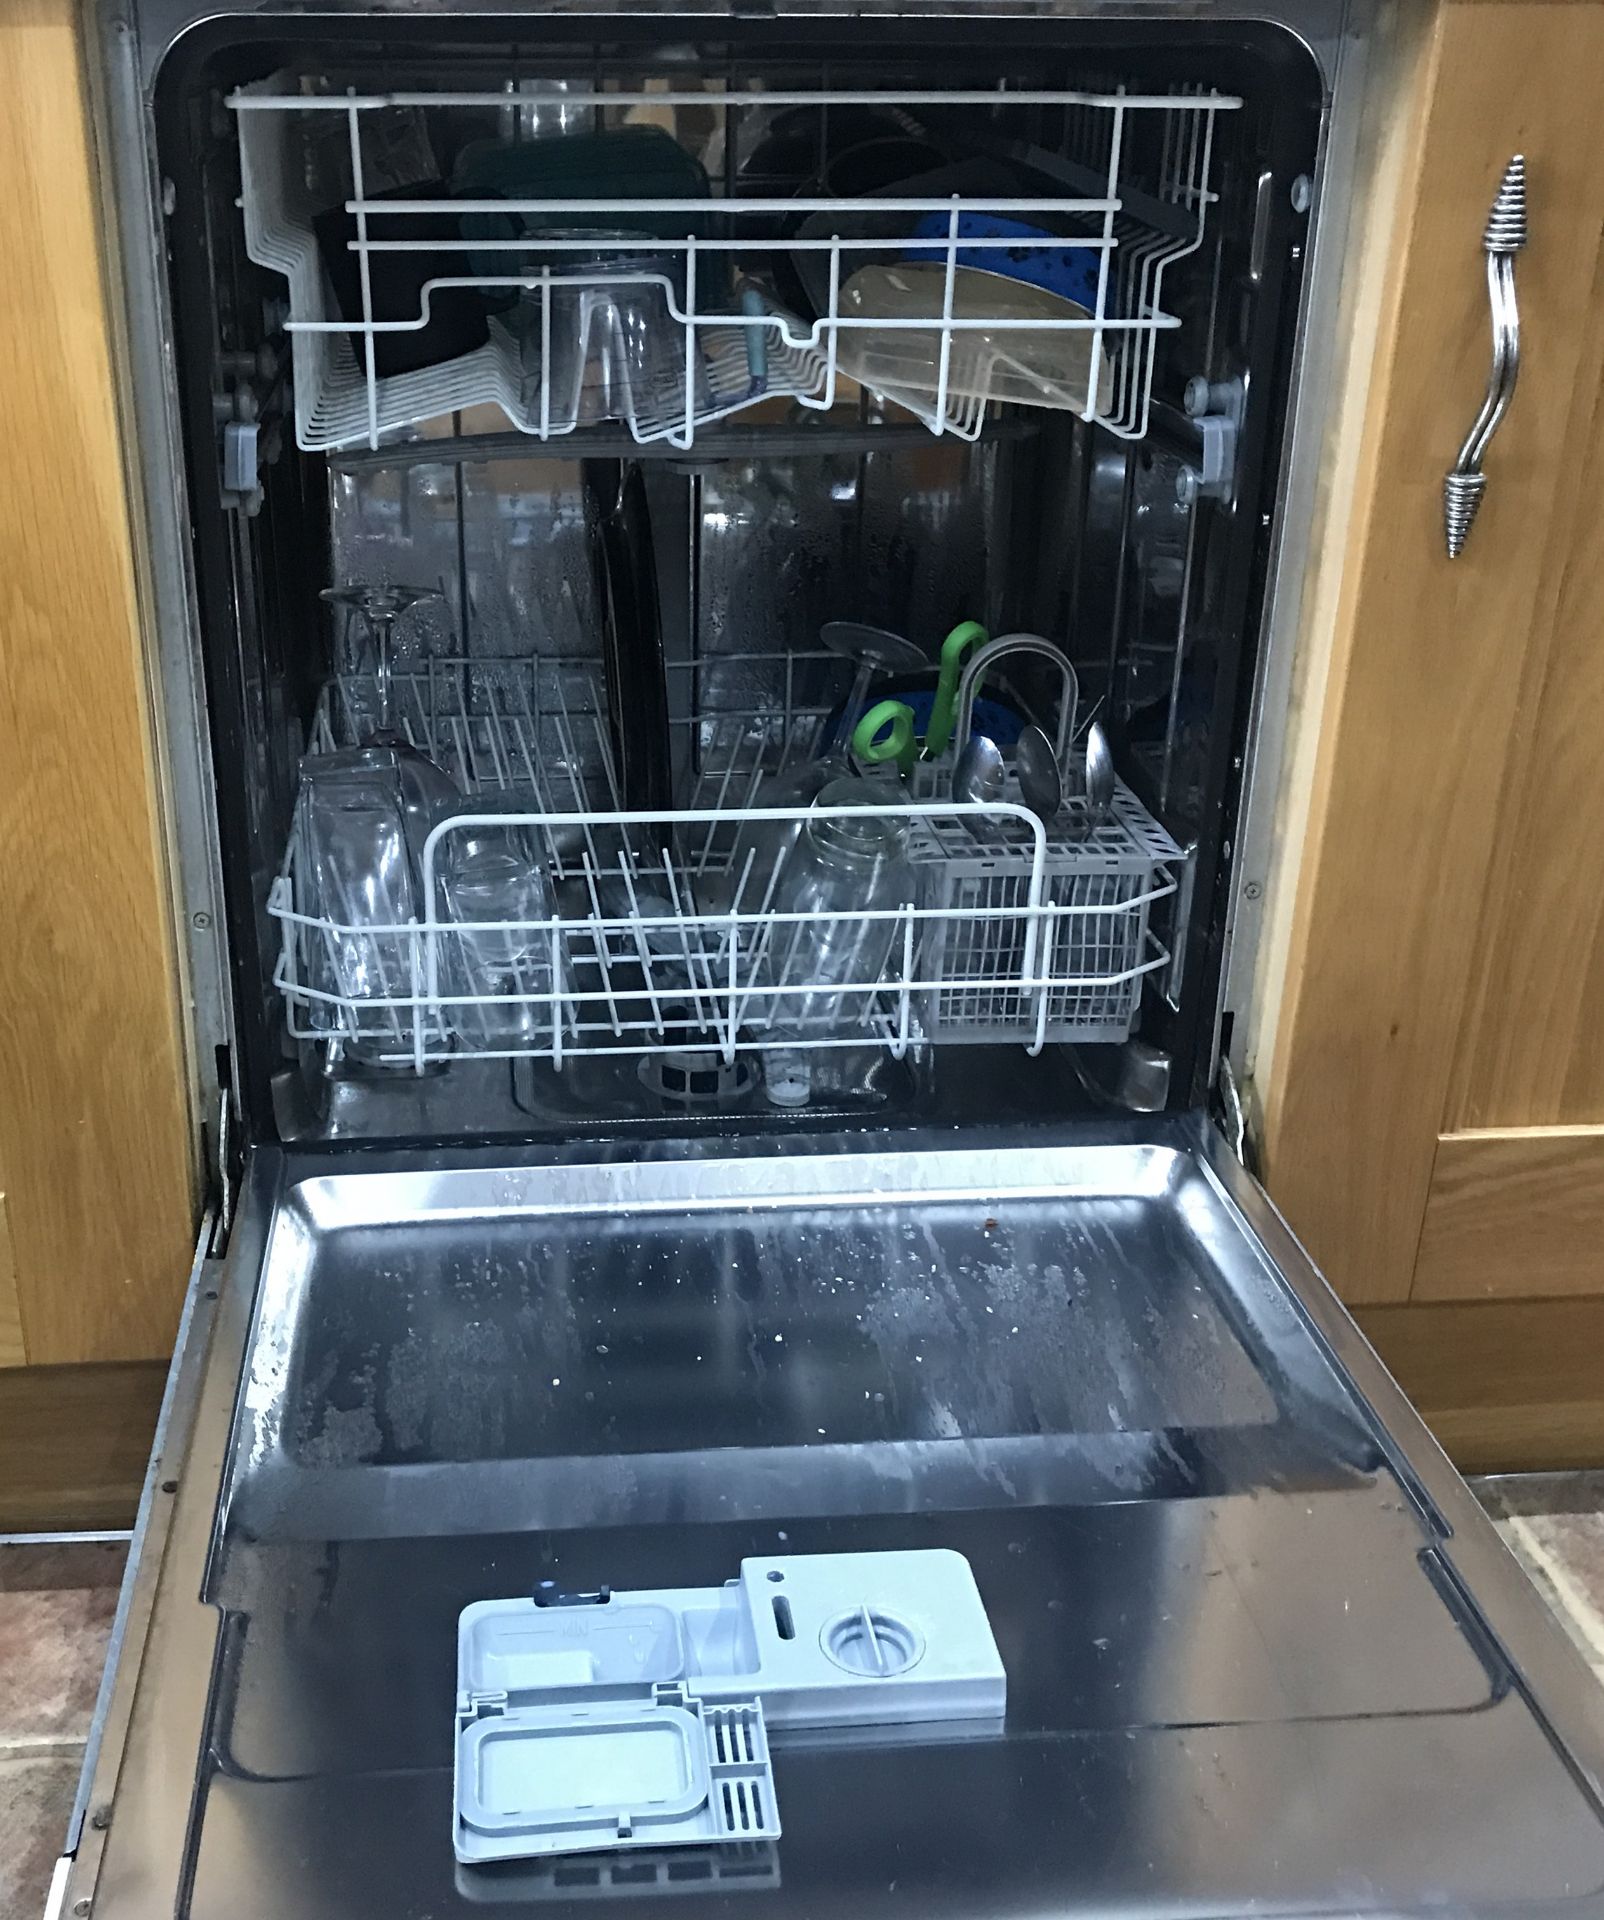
{"x":670,"y":932}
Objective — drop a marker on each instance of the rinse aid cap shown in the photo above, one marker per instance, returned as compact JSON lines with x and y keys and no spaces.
{"x":608,"y":1720}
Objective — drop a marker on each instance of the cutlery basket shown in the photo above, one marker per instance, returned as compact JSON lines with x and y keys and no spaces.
{"x":1068,"y":967}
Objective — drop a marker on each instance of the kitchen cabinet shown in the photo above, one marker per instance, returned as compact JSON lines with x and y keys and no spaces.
{"x":98,"y":1217}
{"x":1428,"y":1070}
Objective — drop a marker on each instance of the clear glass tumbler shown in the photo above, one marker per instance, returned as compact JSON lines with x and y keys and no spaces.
{"x":354,"y":879}
{"x":494,"y":887}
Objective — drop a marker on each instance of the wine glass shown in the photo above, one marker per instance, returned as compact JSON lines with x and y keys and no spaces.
{"x":378,"y":607}
{"x":873,"y":650}
{"x":427,"y":790}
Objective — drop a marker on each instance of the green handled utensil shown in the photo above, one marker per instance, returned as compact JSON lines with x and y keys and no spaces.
{"x":966,"y":634}
{"x":886,"y":733}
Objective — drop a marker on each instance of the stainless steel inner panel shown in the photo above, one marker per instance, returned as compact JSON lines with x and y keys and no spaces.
{"x":1242,"y":1672}
{"x":775,"y":1328}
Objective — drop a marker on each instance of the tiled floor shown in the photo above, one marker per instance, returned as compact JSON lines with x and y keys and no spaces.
{"x":56,"y":1606}
{"x":1554,"y":1525}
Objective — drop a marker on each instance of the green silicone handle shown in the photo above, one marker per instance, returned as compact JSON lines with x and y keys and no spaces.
{"x":967,"y":634}
{"x":894,"y":721}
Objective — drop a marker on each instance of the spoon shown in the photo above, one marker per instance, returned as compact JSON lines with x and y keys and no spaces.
{"x":1099,"y":777}
{"x":978,"y":778}
{"x":1040,"y":780}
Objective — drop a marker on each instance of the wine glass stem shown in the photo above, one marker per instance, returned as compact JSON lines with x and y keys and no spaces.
{"x":383,"y":625}
{"x":855,"y":705}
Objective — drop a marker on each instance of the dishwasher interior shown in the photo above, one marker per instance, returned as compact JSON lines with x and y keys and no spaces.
{"x":705,"y":1112}
{"x":845,"y":352}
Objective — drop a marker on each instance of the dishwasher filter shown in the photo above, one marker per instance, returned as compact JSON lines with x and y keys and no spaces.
{"x":622,"y":1720}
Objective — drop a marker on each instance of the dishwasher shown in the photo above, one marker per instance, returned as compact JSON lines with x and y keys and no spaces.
{"x":721,"y":577}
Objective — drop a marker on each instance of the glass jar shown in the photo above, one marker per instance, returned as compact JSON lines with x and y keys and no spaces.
{"x":833,"y":961}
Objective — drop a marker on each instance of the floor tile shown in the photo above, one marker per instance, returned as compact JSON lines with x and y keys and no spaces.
{"x":52,"y":1644}
{"x":36,"y":1797}
{"x":1564,"y":1554}
{"x":1511,"y":1495}
{"x":1553,"y":1523}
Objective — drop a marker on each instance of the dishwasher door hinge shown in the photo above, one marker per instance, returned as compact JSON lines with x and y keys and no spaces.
{"x":227,"y":1162}
{"x":1229,"y":1114}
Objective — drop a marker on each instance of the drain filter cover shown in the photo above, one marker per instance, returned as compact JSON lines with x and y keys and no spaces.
{"x":871,"y":1641}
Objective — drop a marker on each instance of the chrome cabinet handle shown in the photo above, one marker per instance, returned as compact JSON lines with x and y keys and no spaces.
{"x":1504,"y":237}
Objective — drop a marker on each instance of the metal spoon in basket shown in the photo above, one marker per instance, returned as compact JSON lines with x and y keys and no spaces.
{"x":1099,"y":783}
{"x":1041,"y":780}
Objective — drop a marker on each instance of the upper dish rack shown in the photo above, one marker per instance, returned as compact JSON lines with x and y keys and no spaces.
{"x":942,"y":300}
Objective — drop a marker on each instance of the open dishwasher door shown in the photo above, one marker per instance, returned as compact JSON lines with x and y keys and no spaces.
{"x":1263,"y":1652}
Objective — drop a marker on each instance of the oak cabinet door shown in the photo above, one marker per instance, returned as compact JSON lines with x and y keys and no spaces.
{"x":1515,"y":1208}
{"x":1433,"y":1115}
{"x":96,"y":1142}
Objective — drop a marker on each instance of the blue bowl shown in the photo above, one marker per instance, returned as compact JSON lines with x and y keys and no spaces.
{"x":1041,"y":259}
{"x":995,"y":720}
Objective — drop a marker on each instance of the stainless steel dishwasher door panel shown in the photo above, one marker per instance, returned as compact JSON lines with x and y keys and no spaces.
{"x":788,"y":1332}
{"x":1347,"y":1818}
{"x":1246,"y":1670}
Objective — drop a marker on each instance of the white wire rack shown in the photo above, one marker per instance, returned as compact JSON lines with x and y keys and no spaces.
{"x":669,"y":934}
{"x":755,"y":717}
{"x":630,"y":962}
{"x":534,"y":724}
{"x":673,"y":367}
{"x":538,"y":723}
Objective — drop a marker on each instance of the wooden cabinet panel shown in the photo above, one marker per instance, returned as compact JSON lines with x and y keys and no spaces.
{"x":95,"y":1131}
{"x":1532,"y":1053}
{"x":1415,"y":735}
{"x":1514,"y":1215}
{"x":75,"y":1443}
{"x":1507,"y":1386}
{"x":12,"y":1352}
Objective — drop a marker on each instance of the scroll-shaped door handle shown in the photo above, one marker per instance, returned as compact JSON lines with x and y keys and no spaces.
{"x":1504,"y":237}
